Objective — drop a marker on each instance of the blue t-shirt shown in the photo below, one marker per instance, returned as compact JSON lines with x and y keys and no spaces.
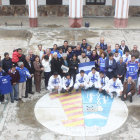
{"x":5,"y":85}
{"x":102,"y":64}
{"x":132,"y":70}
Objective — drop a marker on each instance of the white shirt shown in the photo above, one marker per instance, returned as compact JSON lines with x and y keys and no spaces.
{"x":102,"y":82}
{"x":93,"y":77}
{"x":65,"y":82}
{"x":46,"y":65}
{"x":126,"y":58}
{"x":81,"y":80}
{"x":117,"y":58}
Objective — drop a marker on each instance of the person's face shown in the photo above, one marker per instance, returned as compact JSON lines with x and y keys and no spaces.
{"x":60,"y":51}
{"x":135,"y":48}
{"x":69,"y":49}
{"x":98,"y":47}
{"x":84,"y":41}
{"x":82,"y":74}
{"x":65,"y":44}
{"x":114,"y":79}
{"x":20,"y":51}
{"x":7,"y":56}
{"x":27,"y":58}
{"x":93,"y":71}
{"x":111,"y":57}
{"x":40,"y":48}
{"x":129,"y":79}
{"x":121,"y":60}
{"x":116,"y":54}
{"x":22,"y":66}
{"x":116,"y":47}
{"x":108,"y":47}
{"x":54,"y":47}
{"x":55,"y":76}
{"x":127,"y":53}
{"x":30,"y":52}
{"x":13,"y":68}
{"x":64,"y":57}
{"x":68,"y":77}
{"x":78,"y":47}
{"x":55,"y":56}
{"x":102,"y":55}
{"x":37,"y":59}
{"x":122,"y":43}
{"x":47,"y":51}
{"x":133,"y":59}
{"x":74,"y":57}
{"x":88,"y":48}
{"x":101,"y":75}
{"x":93,"y":53}
{"x":83,"y":54}
{"x":102,"y":40}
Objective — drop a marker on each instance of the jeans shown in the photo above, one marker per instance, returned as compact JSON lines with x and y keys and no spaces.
{"x":15,"y":92}
{"x":47,"y":76}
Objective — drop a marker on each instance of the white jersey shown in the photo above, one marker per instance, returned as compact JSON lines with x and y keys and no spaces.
{"x":102,"y":82}
{"x":55,"y":82}
{"x":67,"y":82}
{"x":126,"y":58}
{"x":93,"y":77}
{"x":139,"y":81}
{"x":82,"y":80}
{"x":117,"y":58}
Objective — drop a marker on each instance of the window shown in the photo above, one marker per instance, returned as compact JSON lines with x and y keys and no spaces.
{"x":17,"y":2}
{"x":95,"y":2}
{"x":54,"y":2}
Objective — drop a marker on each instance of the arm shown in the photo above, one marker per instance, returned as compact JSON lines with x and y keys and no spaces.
{"x":36,"y":67}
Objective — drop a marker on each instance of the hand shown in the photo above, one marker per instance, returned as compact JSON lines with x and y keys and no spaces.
{"x":14,"y":83}
{"x":129,"y":93}
{"x":75,"y":67}
{"x":42,"y":69}
{"x":32,"y":75}
{"x":100,"y":90}
{"x":56,"y":87}
{"x":125,"y":96}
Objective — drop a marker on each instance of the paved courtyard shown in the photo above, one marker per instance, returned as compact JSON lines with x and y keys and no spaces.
{"x":18,"y":121}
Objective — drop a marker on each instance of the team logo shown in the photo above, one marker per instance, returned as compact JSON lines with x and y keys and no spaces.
{"x":86,"y":113}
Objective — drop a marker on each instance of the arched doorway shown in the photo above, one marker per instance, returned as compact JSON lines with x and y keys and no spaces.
{"x":54,"y":2}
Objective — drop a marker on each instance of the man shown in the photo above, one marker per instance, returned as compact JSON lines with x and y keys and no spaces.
{"x":108,"y":50}
{"x":24,"y":74}
{"x":123,"y":47}
{"x":114,"y":87}
{"x":55,"y":49}
{"x":16,"y":55}
{"x":78,"y":50}
{"x":135,"y":52}
{"x":15,"y":77}
{"x":83,"y":58}
{"x":67,"y":84}
{"x":116,"y":56}
{"x":129,"y":89}
{"x":126,"y":57}
{"x":93,"y":78}
{"x":132,"y":69}
{"x":110,"y":66}
{"x":32,"y":56}
{"x":102,"y":82}
{"x":70,"y":53}
{"x":29,"y":65}
{"x":102,"y":44}
{"x":81,"y":81}
{"x":65,"y":46}
{"x":99,"y":51}
{"x":55,"y":83}
{"x":6,"y":62}
{"x":40,"y":51}
{"x":121,"y":69}
{"x":117,"y":49}
{"x":84,"y":45}
{"x":22,"y":58}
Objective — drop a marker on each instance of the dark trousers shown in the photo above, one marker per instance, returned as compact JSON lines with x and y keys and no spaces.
{"x":74,"y":77}
{"x":47,"y":76}
{"x":122,"y":79}
{"x":28,"y":86}
{"x":110,"y":74}
{"x":1,"y":98}
{"x":129,"y":97}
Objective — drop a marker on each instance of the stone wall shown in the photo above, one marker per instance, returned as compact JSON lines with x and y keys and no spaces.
{"x":89,"y":10}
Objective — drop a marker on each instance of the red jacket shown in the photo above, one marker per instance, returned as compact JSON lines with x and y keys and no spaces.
{"x":15,"y":57}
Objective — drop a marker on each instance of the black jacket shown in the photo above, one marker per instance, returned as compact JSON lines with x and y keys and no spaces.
{"x":125,"y":49}
{"x":72,"y":65}
{"x":121,"y":68}
{"x":56,"y":65}
{"x":6,"y":64}
{"x":30,"y":67}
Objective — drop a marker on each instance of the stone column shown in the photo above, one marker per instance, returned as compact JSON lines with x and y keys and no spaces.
{"x":33,"y":17}
{"x":75,"y":13}
{"x":121,"y":13}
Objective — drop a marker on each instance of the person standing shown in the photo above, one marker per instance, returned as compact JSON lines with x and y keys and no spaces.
{"x":29,"y":65}
{"x":6,"y":62}
{"x":15,"y":77}
{"x":83,"y":58}
{"x":47,"y":69}
{"x":37,"y":74}
{"x":135,"y":52}
{"x":101,"y":62}
{"x":103,"y":44}
{"x":84,"y":45}
{"x":123,"y":47}
{"x":24,"y":74}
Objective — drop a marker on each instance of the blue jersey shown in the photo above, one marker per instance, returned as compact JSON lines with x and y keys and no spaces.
{"x":102,"y":64}
{"x":132,"y":70}
{"x":5,"y":85}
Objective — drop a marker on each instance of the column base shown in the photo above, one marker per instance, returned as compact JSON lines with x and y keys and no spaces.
{"x":33,"y":22}
{"x":75,"y":22}
{"x":120,"y":23}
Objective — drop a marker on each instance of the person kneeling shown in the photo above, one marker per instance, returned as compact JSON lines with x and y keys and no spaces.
{"x":55,"y":83}
{"x":102,"y":82}
{"x":93,"y":78}
{"x":129,"y":89}
{"x":114,"y":87}
{"x":67,"y":84}
{"x":81,"y":81}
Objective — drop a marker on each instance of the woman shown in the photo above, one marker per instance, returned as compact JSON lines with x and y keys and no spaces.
{"x":95,"y":57}
{"x":37,"y":74}
{"x":73,"y":65}
{"x":101,"y":62}
{"x":47,"y":69}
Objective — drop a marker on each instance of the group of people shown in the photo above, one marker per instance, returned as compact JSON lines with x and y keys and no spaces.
{"x":116,"y":71}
